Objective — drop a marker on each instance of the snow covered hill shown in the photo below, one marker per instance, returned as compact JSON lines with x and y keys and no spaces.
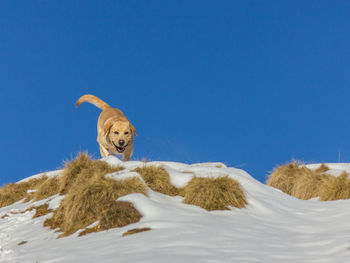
{"x":273,"y":227}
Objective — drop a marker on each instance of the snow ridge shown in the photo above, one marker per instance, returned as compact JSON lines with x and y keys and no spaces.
{"x":274,"y":227}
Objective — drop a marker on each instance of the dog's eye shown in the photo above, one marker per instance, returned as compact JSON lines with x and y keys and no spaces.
{"x":126,"y":132}
{"x":116,"y":132}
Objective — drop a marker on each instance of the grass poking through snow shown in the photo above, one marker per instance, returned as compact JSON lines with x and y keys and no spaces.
{"x":215,"y":193}
{"x":81,"y":169}
{"x":48,"y":188}
{"x":12,"y":193}
{"x":335,"y":188}
{"x":91,"y":197}
{"x":304,"y":183}
{"x":114,"y":214}
{"x":157,"y":178}
{"x":40,"y":210}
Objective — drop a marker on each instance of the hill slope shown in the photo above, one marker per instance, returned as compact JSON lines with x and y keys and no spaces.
{"x":273,"y":227}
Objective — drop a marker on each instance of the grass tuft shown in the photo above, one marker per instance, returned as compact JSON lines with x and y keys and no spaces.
{"x":298,"y":180}
{"x":91,"y":197}
{"x":335,"y":188}
{"x":40,"y":210}
{"x":12,"y":193}
{"x":115,"y":214}
{"x":214,"y":193}
{"x":157,"y":178}
{"x":304,"y":183}
{"x":48,"y":188}
{"x":323,"y":168}
{"x":284,"y":176}
{"x":307,"y":184}
{"x":83,"y":168}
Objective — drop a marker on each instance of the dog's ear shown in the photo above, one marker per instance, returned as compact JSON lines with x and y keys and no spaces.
{"x":133,"y":129}
{"x":107,"y":126}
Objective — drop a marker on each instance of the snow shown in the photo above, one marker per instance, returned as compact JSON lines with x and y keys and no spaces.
{"x":274,"y":227}
{"x":124,"y":174}
{"x":335,"y":169}
{"x":48,"y":174}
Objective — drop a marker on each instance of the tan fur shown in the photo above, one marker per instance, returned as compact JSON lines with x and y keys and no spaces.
{"x":112,"y":128}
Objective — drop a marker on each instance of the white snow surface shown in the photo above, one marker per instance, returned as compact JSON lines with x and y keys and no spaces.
{"x":274,"y":227}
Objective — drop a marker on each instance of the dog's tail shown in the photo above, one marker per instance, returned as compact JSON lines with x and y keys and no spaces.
{"x":93,"y":100}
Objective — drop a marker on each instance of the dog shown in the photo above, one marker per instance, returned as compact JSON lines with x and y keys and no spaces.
{"x":115,"y":133}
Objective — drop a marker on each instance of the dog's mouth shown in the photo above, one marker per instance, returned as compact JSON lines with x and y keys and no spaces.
{"x":120,"y":149}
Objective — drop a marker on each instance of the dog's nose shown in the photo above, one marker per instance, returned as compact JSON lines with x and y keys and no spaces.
{"x":121,"y":142}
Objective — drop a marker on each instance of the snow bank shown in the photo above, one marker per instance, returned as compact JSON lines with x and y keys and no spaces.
{"x":274,"y":227}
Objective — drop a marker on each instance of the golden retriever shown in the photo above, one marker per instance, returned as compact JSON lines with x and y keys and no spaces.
{"x":115,"y":133}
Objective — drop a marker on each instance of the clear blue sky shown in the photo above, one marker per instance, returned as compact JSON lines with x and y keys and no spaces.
{"x":252,"y":84}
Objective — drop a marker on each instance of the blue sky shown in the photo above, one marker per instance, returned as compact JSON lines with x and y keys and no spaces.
{"x":252,"y":84}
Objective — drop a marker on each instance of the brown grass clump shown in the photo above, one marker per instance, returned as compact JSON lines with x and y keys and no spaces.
{"x":83,"y":168}
{"x":335,"y":188}
{"x":304,"y":183}
{"x":298,"y":180}
{"x":135,"y":231}
{"x":115,"y":214}
{"x":284,"y":177}
{"x":12,"y":193}
{"x":48,"y":188}
{"x":323,"y":168}
{"x":215,"y":193}
{"x":307,"y":184}
{"x":92,"y":199}
{"x":157,"y":178}
{"x":42,"y":210}
{"x":89,"y":197}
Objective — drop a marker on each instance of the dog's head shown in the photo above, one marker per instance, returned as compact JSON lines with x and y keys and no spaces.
{"x":119,"y":134}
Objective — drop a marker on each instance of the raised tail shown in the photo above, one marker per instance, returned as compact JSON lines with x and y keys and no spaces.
{"x":93,"y":100}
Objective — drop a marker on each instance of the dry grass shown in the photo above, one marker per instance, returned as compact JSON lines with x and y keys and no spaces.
{"x":323,"y":168}
{"x":307,"y":185}
{"x":95,"y":201}
{"x":157,"y":178}
{"x":91,"y":197}
{"x":298,"y":180}
{"x":284,"y":177}
{"x":214,"y":193}
{"x":115,"y":214}
{"x":304,"y":183}
{"x":12,"y":193}
{"x":83,"y":168}
{"x":335,"y":188}
{"x":42,"y":210}
{"x":135,"y":231}
{"x":48,"y":188}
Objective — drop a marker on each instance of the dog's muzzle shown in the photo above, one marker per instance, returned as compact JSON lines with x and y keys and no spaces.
{"x":120,"y":149}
